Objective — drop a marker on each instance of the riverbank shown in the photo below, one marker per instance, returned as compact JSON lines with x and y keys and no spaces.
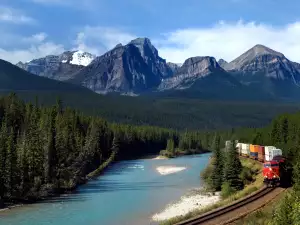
{"x":198,"y":199}
{"x":181,"y":152}
{"x":51,"y":193}
{"x":219,"y":202}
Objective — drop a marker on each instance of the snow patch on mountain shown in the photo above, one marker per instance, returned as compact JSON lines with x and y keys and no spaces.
{"x":82,"y":58}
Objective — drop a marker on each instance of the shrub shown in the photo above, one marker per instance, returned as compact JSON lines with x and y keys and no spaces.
{"x":227,"y":190}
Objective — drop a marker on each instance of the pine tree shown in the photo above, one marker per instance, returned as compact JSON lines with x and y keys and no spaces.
{"x":23,"y":164}
{"x":284,"y":130}
{"x":170,"y":146}
{"x":233,"y":168}
{"x":11,"y":166}
{"x":217,"y":163}
{"x":3,"y":158}
{"x":296,"y":173}
{"x":275,"y":133}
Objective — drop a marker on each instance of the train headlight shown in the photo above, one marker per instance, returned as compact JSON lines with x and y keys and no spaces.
{"x":274,"y":176}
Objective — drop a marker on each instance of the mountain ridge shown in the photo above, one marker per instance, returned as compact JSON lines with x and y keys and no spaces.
{"x":136,"y":68}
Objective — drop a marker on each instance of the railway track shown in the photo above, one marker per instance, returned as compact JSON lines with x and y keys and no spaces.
{"x":218,"y":216}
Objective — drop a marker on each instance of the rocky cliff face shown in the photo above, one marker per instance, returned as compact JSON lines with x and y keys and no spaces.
{"x":59,"y":67}
{"x":130,"y":69}
{"x":174,"y":67}
{"x":193,"y":68}
{"x":265,"y":61}
{"x":123,"y":69}
{"x":158,"y":66}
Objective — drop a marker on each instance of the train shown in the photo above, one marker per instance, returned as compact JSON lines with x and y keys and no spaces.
{"x":276,"y":171}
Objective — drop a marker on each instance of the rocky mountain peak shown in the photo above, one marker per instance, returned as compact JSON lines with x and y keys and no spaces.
{"x":145,"y":46}
{"x":118,"y":45}
{"x":192,"y":69}
{"x":200,"y":63}
{"x":59,"y":67}
{"x":222,"y":62}
{"x":263,"y":50}
{"x":258,"y":53}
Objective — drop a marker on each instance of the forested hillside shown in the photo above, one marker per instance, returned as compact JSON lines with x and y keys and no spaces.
{"x":47,"y":150}
{"x":169,"y":112}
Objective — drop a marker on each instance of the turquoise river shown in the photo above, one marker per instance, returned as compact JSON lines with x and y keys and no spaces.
{"x":128,"y":193}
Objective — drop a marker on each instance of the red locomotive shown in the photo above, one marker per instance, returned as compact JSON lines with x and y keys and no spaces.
{"x":271,"y":173}
{"x":277,"y":172}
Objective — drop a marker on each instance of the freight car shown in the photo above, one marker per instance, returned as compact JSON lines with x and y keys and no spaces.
{"x":261,"y":153}
{"x":276,"y":170}
{"x":254,"y":151}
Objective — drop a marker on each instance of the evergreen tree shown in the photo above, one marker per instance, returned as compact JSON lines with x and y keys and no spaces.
{"x":217,"y":165}
{"x":170,"y":146}
{"x":275,"y":133}
{"x":233,"y":168}
{"x":296,"y":173}
{"x":11,"y":167}
{"x":3,"y":158}
{"x":284,"y":130}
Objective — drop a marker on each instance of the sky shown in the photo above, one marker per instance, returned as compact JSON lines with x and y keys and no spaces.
{"x":178,"y":29}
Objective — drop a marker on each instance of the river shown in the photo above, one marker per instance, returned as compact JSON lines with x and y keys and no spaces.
{"x":128,"y":193}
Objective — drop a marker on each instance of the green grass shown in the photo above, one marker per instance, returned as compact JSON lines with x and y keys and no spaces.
{"x":250,"y":188}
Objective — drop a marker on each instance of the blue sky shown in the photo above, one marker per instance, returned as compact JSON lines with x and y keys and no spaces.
{"x":179,"y":29}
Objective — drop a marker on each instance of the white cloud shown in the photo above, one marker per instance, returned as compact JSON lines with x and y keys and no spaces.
{"x":36,"y":38}
{"x":11,"y":15}
{"x":98,"y":40}
{"x":229,"y":40}
{"x":33,"y":52}
{"x":28,"y":48}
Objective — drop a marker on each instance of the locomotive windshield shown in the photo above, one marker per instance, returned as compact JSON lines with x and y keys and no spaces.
{"x":267,"y":165}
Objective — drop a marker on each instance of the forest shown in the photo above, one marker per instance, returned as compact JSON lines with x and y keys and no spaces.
{"x":45,"y":151}
{"x":284,"y":133}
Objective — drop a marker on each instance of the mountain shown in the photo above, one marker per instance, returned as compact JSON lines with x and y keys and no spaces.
{"x":13,"y":78}
{"x":149,"y":53}
{"x":136,"y":68}
{"x":222,"y":62}
{"x":264,"y":68}
{"x":263,"y":59}
{"x":192,"y":70}
{"x":131,"y":69}
{"x":204,"y":78}
{"x":59,"y":67}
{"x":174,"y":67}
